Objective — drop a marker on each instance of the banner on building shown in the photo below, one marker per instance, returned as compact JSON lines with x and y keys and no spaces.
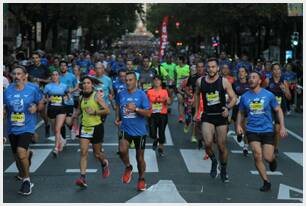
{"x":163,"y":37}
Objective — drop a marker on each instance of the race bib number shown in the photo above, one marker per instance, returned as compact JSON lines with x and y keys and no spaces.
{"x":128,"y":114}
{"x":56,"y":100}
{"x":279,"y":100}
{"x":213,"y":98}
{"x":87,"y":132}
{"x":18,"y":119}
{"x":157,"y":107}
{"x":147,"y":86}
{"x":257,"y":107}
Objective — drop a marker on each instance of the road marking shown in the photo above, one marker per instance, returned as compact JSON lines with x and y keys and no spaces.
{"x":74,"y":144}
{"x":150,"y":159}
{"x":78,"y":170}
{"x":284,"y":193}
{"x":295,"y":135}
{"x":39,"y":156}
{"x":234,"y":136}
{"x":194,"y":161}
{"x":255,"y":172}
{"x":295,"y":156}
{"x":39,"y":124}
{"x":164,"y":191}
{"x":168,"y":137}
{"x":240,"y":151}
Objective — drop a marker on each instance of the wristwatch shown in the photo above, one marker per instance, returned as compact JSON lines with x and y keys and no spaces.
{"x":137,"y":109}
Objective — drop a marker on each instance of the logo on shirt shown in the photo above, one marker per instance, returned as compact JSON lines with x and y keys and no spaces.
{"x":257,"y":106}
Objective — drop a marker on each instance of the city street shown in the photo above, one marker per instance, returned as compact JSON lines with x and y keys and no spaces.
{"x":180,"y":176}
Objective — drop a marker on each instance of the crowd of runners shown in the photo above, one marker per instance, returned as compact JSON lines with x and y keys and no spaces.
{"x":77,"y":93}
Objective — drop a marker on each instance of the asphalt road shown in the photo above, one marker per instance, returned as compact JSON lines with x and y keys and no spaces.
{"x":180,"y":176}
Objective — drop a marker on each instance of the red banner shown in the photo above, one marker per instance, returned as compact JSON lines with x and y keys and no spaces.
{"x":163,"y":37}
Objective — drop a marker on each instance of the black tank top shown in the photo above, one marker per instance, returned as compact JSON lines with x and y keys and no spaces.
{"x":277,"y":91}
{"x":213,"y":95}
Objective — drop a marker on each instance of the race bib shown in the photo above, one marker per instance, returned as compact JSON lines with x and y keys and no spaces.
{"x":147,"y":86}
{"x":157,"y":107}
{"x":128,"y":114}
{"x":279,"y":100}
{"x":87,"y":132}
{"x":257,"y":107}
{"x":56,"y":100}
{"x":213,"y":98}
{"x":17,"y":119}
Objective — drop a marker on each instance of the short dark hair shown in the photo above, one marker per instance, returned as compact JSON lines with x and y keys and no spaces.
{"x":21,"y":67}
{"x":213,"y":59}
{"x":256,"y":72}
{"x":63,"y":61}
{"x":182,"y":58}
{"x":275,"y":64}
{"x":36,"y":53}
{"x":131,"y":73}
{"x":121,"y":71}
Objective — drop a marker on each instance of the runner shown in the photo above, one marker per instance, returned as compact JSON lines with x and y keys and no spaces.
{"x":40,"y":75}
{"x":134,"y":107}
{"x":182,"y":72}
{"x":70,"y":81}
{"x":55,"y":92}
{"x":92,"y":107}
{"x":76,"y":94}
{"x":20,"y":106}
{"x":131,"y":68}
{"x":146,"y":75}
{"x":191,"y":83}
{"x":215,"y":116}
{"x":240,"y":86}
{"x":257,"y":104}
{"x":279,"y":87}
{"x":159,"y":118}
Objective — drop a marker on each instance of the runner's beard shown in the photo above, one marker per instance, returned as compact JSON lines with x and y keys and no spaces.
{"x":212,"y":76}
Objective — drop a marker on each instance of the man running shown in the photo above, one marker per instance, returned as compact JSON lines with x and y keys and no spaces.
{"x":215,"y":116}
{"x":20,"y":106}
{"x":258,"y":103}
{"x":134,"y":107}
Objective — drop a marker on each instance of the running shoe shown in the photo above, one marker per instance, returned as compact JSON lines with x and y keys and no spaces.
{"x":224,"y":175}
{"x":55,"y":152}
{"x":26,"y":188}
{"x":141,"y":185}
{"x":245,"y":152}
{"x":206,"y":157}
{"x":273,"y":165}
{"x":239,"y":137}
{"x":81,"y":182}
{"x":213,"y":170}
{"x":161,"y":152}
{"x":193,"y":139}
{"x":105,"y":170}
{"x":266,"y":187}
{"x":127,"y":176}
{"x":154,"y":146}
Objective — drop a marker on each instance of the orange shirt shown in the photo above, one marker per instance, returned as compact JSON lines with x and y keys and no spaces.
{"x":158,"y":100}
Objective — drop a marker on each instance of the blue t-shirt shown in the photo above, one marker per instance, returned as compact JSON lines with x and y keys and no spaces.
{"x":70,"y":80}
{"x":106,"y":86}
{"x":133,"y":123}
{"x":20,"y":120}
{"x":84,"y":65}
{"x":53,"y":89}
{"x":290,"y":76}
{"x":259,"y":110}
{"x":118,"y":87}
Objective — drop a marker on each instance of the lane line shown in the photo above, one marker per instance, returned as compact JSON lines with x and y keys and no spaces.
{"x":255,"y":172}
{"x":168,"y":137}
{"x":295,"y":156}
{"x":78,"y":170}
{"x":295,"y":135}
{"x":39,"y":156}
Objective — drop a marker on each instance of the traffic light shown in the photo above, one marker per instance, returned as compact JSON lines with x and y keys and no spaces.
{"x":179,"y":43}
{"x":294,"y":39}
{"x":177,"y":24}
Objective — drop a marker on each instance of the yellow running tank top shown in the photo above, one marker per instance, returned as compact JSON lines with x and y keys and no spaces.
{"x":90,"y":120}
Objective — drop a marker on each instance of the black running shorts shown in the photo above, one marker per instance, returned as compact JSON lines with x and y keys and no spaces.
{"x":21,"y":140}
{"x":264,"y":138}
{"x":97,"y":136}
{"x":139,"y":141}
